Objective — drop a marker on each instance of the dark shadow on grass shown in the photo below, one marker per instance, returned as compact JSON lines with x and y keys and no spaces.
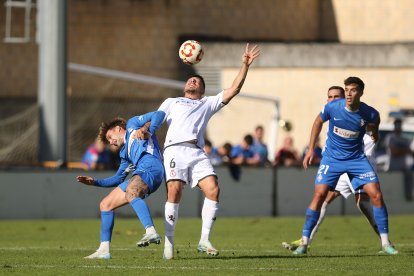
{"x":282,"y":257}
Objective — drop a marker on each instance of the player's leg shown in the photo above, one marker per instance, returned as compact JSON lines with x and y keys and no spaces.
{"x":174,"y":193}
{"x":326,"y":179}
{"x":380,"y":215}
{"x":136,"y":191}
{"x":313,"y":211}
{"x":211,"y":190}
{"x":204,"y":177}
{"x":296,"y":243}
{"x":329,"y":198}
{"x":363,"y":175}
{"x":364,"y":205}
{"x":146,"y":179}
{"x":113,"y":200}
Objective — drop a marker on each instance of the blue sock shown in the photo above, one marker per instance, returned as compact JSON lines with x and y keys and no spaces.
{"x":381,"y":218}
{"x":310,"y":221}
{"x":107,"y":224}
{"x":142,"y":211}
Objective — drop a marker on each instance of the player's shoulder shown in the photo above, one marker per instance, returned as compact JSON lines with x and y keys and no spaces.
{"x":368,"y":109}
{"x":337,"y":102}
{"x":366,"y":106}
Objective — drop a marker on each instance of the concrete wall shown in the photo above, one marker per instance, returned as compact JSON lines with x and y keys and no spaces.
{"x":299,"y":76}
{"x":56,"y":194}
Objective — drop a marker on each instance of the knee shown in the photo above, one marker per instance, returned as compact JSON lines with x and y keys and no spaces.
{"x":135,"y":192}
{"x":213,"y":193}
{"x":319,"y":196}
{"x":136,"y":188}
{"x":105,"y":205}
{"x":174,"y":191}
{"x":376,"y":198}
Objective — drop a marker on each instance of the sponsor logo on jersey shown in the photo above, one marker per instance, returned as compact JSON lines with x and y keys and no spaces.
{"x":371,"y":175}
{"x":344,"y":133}
{"x":172,"y":173}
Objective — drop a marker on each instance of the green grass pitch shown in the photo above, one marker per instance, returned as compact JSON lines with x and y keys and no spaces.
{"x":344,"y":245}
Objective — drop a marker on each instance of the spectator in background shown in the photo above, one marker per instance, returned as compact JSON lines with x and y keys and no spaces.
{"x":242,"y":154}
{"x":225,"y":152}
{"x":317,"y":153}
{"x":98,"y":157}
{"x":400,"y":156}
{"x":287,"y":156}
{"x":212,"y":153}
{"x":259,"y":147}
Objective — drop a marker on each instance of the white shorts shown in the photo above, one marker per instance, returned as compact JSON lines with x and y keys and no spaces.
{"x":344,"y":186}
{"x":188,"y":163}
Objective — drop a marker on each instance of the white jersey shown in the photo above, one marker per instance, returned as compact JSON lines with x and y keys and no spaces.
{"x":187,"y":119}
{"x":369,"y":150}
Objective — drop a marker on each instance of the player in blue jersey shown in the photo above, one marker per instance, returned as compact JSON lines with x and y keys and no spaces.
{"x":349,"y":119}
{"x":344,"y":186}
{"x":140,"y":154}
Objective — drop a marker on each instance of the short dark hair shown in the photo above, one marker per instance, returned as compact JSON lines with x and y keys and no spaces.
{"x":248,"y":139}
{"x":355,"y":80}
{"x":208,"y":143}
{"x":103,"y":129}
{"x":200,"y":77}
{"x":340,"y":88}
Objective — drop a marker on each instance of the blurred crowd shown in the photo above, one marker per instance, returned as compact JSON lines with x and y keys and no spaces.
{"x":252,"y":151}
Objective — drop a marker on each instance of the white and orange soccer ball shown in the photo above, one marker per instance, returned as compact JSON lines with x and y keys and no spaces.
{"x":191,"y":52}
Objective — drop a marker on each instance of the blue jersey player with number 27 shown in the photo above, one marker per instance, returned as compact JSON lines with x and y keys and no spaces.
{"x":349,"y":119}
{"x":141,"y":155}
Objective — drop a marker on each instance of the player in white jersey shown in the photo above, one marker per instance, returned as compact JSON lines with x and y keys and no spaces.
{"x":184,"y":159}
{"x":344,"y":186}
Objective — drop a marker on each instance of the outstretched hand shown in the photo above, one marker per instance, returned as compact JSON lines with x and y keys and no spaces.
{"x":87,"y":180}
{"x":250,"y":54}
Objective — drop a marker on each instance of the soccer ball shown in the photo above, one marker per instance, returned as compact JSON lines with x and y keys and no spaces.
{"x":191,"y":52}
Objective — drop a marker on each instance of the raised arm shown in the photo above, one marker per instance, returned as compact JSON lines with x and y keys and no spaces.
{"x":152,"y":122}
{"x":316,"y":130}
{"x":248,"y":57}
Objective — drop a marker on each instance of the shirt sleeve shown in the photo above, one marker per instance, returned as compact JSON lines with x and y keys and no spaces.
{"x":216,"y":102}
{"x":165,"y":107}
{"x":325,"y":113}
{"x":118,"y":178}
{"x":156,"y":118}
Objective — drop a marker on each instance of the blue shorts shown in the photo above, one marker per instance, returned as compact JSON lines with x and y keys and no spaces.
{"x":359,"y":170}
{"x":151,"y":171}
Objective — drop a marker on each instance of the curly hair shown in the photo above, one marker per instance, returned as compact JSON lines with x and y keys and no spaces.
{"x":105,"y":127}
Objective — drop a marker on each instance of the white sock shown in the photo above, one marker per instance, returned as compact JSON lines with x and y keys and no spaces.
{"x":150,"y":230}
{"x":384,"y":239}
{"x":320,"y":220}
{"x":305,"y":240}
{"x":365,"y":207}
{"x":170,"y":220}
{"x":208,"y":215}
{"x":104,"y":247}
